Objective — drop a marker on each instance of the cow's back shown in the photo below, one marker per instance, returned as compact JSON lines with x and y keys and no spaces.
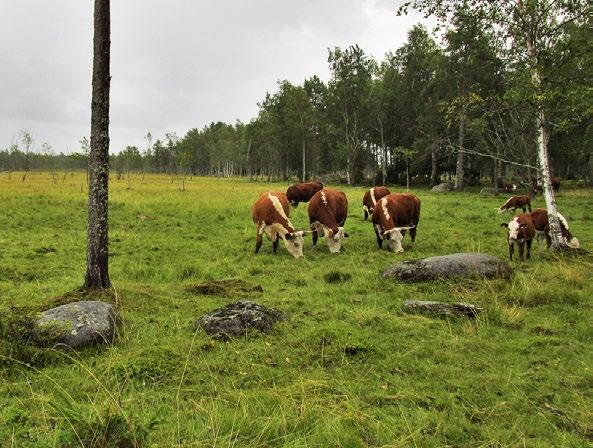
{"x":328,"y":206}
{"x":408,"y":206}
{"x":264,"y":211}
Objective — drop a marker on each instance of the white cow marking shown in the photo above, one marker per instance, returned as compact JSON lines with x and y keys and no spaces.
{"x":323,"y":198}
{"x":278,"y":206}
{"x":373,"y":196}
{"x":384,"y":206}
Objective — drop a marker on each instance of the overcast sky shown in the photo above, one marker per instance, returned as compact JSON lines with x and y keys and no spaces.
{"x":175,"y":64}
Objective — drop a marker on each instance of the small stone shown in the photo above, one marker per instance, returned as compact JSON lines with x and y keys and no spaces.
{"x":461,"y":265}
{"x":441,"y":309}
{"x":237,"y":318}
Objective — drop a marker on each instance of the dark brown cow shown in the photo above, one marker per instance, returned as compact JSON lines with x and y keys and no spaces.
{"x":370,"y":199}
{"x":302,"y":192}
{"x":520,"y":231}
{"x":537,"y":187}
{"x":393,"y":215}
{"x":270,"y":215}
{"x":514,"y":202}
{"x":542,"y":228}
{"x":327,"y":214}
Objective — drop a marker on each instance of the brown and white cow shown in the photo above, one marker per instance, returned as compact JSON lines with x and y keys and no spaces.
{"x":542,"y":228}
{"x":302,"y":192}
{"x":514,"y":202}
{"x":270,"y":215}
{"x":370,"y":199}
{"x":521,"y":231}
{"x":327,"y":214}
{"x":393,"y":215}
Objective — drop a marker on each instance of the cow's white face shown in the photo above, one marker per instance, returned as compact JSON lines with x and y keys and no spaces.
{"x":334,"y":240}
{"x":294,"y":243}
{"x":573,"y":243}
{"x":513,"y":227}
{"x":394,"y":239}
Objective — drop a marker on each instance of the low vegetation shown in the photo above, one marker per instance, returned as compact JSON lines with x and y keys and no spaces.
{"x":347,"y":368}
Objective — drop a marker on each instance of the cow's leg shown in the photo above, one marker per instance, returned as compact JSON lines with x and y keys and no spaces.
{"x":529,"y":207}
{"x":379,"y":239}
{"x":366,"y":215}
{"x":275,"y":244}
{"x":413,"y":233}
{"x":511,"y":250}
{"x":524,"y":208}
{"x":521,"y":249}
{"x":529,"y":248}
{"x":258,"y":240}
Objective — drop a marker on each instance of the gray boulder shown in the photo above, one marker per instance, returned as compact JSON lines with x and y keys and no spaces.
{"x":442,"y":188}
{"x":79,"y":324}
{"x":462,"y":265}
{"x":235,"y":319}
{"x":440,"y":309}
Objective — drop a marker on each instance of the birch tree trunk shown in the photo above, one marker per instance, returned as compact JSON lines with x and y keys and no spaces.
{"x":434,"y":167}
{"x":558,"y":242}
{"x":97,"y":272}
{"x":304,"y":172}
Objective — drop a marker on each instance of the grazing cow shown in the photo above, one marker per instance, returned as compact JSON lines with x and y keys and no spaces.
{"x":520,"y":231}
{"x":542,"y":228}
{"x":393,"y":215}
{"x":510,"y":187}
{"x":302,"y":192}
{"x":270,"y":215}
{"x":370,"y":199}
{"x":327,"y":213}
{"x":523,"y":202}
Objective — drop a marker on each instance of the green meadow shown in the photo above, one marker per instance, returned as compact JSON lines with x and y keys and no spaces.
{"x":346,"y":369}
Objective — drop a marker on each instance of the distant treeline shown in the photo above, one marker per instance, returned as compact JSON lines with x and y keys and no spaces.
{"x":410,"y":114}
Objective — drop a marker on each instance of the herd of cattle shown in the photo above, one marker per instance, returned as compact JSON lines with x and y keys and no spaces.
{"x":392,"y":214}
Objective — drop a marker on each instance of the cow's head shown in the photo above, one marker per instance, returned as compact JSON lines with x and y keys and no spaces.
{"x":294,"y":243}
{"x":334,"y":238}
{"x":293,"y":196}
{"x":394,"y":238}
{"x":514,"y":230}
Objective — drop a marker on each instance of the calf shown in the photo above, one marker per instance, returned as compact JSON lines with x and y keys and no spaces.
{"x":523,"y":202}
{"x":370,"y":199}
{"x":537,"y":186}
{"x":270,"y":215}
{"x":302,"y":192}
{"x":542,"y":228}
{"x":327,"y":213}
{"x":520,"y":231}
{"x":393,"y":215}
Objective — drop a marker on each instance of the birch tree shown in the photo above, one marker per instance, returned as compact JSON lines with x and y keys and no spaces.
{"x":530,"y":29}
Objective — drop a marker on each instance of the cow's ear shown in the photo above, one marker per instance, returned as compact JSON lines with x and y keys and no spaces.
{"x":288,"y":236}
{"x":503,"y":224}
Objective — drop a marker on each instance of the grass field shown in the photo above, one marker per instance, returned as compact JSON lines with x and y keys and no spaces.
{"x":347,"y":369}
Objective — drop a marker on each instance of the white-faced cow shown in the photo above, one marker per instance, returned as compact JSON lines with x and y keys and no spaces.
{"x":514,"y":202}
{"x":542,"y":228}
{"x":270,"y":215}
{"x":327,"y":214}
{"x":393,"y":215}
{"x":370,"y":199}
{"x":302,"y":192}
{"x":520,"y":231}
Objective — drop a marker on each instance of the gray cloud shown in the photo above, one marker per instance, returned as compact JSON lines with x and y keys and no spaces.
{"x":175,"y":65}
